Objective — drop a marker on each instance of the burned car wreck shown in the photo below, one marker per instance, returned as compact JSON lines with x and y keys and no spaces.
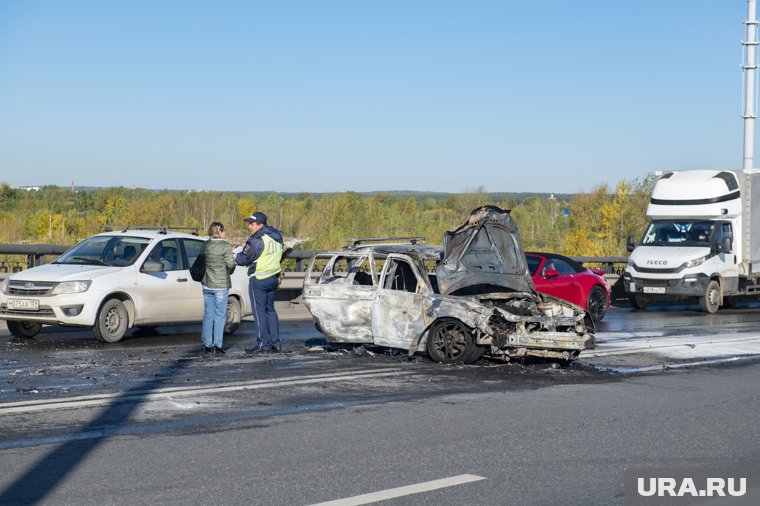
{"x":458,"y":302}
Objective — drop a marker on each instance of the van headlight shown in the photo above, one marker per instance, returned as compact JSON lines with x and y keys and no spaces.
{"x":631,"y":263}
{"x":71,"y":287}
{"x":696,"y":262}
{"x":4,"y":284}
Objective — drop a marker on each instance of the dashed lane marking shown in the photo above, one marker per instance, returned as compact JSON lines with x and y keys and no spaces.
{"x":392,"y":493}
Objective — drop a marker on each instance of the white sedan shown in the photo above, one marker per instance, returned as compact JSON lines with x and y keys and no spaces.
{"x":113,"y":281}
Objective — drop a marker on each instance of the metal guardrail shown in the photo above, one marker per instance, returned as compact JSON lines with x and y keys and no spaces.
{"x":293,"y":280}
{"x":34,"y":254}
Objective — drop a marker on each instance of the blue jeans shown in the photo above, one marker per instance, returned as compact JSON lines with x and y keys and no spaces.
{"x":214,"y":315}
{"x":262,"y":293}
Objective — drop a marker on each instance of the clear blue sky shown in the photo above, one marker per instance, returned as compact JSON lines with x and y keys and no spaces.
{"x":337,"y":95}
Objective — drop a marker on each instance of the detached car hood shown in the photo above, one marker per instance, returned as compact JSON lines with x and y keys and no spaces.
{"x":484,"y":254}
{"x":64,"y":272}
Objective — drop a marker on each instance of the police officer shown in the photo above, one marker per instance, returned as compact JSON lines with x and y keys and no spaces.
{"x":262,"y":254}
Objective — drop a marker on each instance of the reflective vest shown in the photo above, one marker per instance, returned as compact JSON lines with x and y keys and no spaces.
{"x":268,"y":263}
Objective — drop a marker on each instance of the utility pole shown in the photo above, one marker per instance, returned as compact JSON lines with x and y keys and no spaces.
{"x":749,"y":66}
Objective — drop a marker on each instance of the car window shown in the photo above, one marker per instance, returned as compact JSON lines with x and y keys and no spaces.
{"x":193,"y":249}
{"x":167,"y":253}
{"x":558,"y":265}
{"x":349,"y":270}
{"x":400,"y":276}
{"x":533,"y":263}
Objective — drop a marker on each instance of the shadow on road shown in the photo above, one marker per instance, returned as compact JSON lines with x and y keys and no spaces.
{"x":43,"y":477}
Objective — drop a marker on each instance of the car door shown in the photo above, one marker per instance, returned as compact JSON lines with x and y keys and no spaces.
{"x":192,"y":249}
{"x":341,"y":299}
{"x":399,"y":306}
{"x":564,"y":285}
{"x":163,"y":294}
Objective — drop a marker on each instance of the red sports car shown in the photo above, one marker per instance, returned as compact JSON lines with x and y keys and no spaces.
{"x":567,"y":279}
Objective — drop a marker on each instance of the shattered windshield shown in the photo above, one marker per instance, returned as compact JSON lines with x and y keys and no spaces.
{"x":116,"y":251}
{"x":678,"y":233}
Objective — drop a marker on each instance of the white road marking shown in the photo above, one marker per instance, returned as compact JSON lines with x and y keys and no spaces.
{"x":679,"y":365}
{"x":171,"y":393}
{"x":680,"y":347}
{"x":391,"y":493}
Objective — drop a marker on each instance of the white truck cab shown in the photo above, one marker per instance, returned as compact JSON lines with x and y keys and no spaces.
{"x":699,"y":243}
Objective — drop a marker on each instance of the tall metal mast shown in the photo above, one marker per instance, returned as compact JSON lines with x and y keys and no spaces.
{"x":749,"y":67}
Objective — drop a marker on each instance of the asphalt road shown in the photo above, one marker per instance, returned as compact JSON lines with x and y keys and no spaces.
{"x":149,"y":420}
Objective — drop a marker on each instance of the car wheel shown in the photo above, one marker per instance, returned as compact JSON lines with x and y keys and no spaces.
{"x":476,"y":353}
{"x":710,"y":301}
{"x":597,"y":303}
{"x":638,"y":302}
{"x":232,"y":321}
{"x":450,"y":342}
{"x":111,"y":322}
{"x":26,"y":330}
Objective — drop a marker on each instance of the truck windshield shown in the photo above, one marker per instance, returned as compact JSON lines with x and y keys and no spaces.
{"x":678,"y":233}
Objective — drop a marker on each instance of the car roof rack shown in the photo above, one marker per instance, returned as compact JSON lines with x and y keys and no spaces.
{"x":164,"y":229}
{"x":363,"y":240}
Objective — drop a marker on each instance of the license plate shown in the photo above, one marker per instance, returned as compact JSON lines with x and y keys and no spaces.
{"x":654,"y":289}
{"x":25,"y":304}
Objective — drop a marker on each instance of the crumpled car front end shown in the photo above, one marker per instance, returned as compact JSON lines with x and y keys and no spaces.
{"x":484,"y":259}
{"x":547,"y":328}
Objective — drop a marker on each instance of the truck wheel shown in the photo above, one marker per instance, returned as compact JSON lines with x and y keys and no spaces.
{"x":730,"y":301}
{"x":450,"y":342}
{"x":27,"y":330}
{"x":710,"y":301}
{"x":232,"y":321}
{"x":597,"y":303}
{"x":111,"y":322}
{"x":638,"y":302}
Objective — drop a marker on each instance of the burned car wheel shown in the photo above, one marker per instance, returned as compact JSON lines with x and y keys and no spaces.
{"x":476,"y":353}
{"x":23,"y":329}
{"x":450,"y":342}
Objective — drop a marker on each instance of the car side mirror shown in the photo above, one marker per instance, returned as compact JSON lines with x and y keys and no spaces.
{"x":630,"y":245}
{"x":725,"y":246}
{"x":152,"y":266}
{"x":551,"y":273}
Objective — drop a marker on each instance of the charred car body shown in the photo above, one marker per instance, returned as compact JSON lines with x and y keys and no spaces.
{"x":472,"y":296}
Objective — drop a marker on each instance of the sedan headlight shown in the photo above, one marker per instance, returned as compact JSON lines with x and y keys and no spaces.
{"x":71,"y":287}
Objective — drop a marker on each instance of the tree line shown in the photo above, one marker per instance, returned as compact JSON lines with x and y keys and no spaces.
{"x":586,"y":224}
